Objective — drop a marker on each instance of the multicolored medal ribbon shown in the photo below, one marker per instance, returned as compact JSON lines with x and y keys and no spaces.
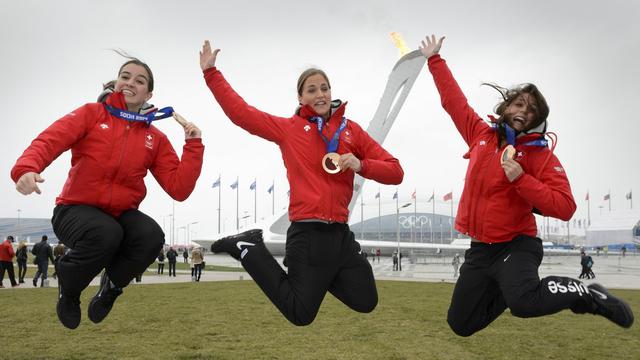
{"x":331,"y":158}
{"x":146,"y":118}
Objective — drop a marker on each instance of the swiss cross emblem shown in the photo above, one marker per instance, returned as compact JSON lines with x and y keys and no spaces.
{"x":104,"y":126}
{"x":148,"y":141}
{"x":307,"y":128}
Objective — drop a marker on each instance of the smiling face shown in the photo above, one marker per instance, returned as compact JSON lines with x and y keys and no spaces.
{"x":133,"y":81}
{"x":316,"y":92}
{"x":522,"y":113}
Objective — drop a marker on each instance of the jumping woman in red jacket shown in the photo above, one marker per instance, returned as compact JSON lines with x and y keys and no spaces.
{"x":501,"y":191}
{"x":322,"y":151}
{"x":96,"y":214}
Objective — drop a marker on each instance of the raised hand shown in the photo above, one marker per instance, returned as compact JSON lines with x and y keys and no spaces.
{"x":349,"y":161}
{"x":28,"y":183}
{"x":431,"y":46}
{"x":207,"y":57}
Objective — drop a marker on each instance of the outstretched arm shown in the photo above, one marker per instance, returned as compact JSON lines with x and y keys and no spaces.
{"x":468,"y":123}
{"x":256,"y":122}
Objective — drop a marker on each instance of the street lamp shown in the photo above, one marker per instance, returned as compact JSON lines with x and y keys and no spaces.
{"x":178,"y":232}
{"x":19,"y":230}
{"x":398,"y":230}
{"x":188,"y":233}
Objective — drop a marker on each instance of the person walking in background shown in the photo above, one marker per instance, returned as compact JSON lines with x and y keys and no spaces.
{"x":172,"y":257}
{"x":511,"y":175}
{"x":185,"y":255}
{"x":161,"y":262}
{"x":197,"y":258}
{"x":43,"y":254}
{"x":58,"y":251}
{"x":378,"y":255}
{"x":456,"y":264}
{"x":6,"y":261}
{"x":21,"y":259}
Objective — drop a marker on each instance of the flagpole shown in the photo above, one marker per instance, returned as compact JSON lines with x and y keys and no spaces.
{"x":379,"y":215}
{"x":219,"y":200}
{"x":433,"y":212}
{"x":361,"y":216}
{"x":398,"y":227}
{"x":451,"y":219}
{"x":273,"y":197}
{"x":415,"y":216}
{"x":237,"y":203}
{"x":588,"y":209}
{"x":255,"y":201}
{"x":609,"y":200}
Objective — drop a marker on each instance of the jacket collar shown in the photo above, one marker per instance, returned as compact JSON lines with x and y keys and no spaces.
{"x":337,"y":110}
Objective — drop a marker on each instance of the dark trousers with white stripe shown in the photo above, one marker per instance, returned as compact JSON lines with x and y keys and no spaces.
{"x":124,"y":246}
{"x":320,"y":258}
{"x":505,"y":275}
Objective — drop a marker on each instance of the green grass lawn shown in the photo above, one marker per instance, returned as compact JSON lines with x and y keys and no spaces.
{"x":234,"y":320}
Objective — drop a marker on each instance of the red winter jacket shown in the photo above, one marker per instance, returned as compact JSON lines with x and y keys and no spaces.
{"x":492,"y":209}
{"x":315,"y":194}
{"x":110,"y":158}
{"x":6,"y":251}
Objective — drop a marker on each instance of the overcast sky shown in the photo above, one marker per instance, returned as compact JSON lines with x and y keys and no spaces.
{"x":583,"y":57}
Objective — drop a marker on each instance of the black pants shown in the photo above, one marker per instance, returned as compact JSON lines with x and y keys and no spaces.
{"x":8,"y":266}
{"x":320,"y":257}
{"x":22,"y":269}
{"x":496,"y":276}
{"x":124,"y":246}
{"x":196,"y":271}
{"x":42,"y":272}
{"x":172,"y":268}
{"x":160,"y":268}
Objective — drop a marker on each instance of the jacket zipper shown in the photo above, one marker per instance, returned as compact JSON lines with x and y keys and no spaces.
{"x":122,"y":151}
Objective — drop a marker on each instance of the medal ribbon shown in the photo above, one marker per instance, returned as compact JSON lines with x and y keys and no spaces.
{"x":332,"y":145}
{"x":147,"y":118}
{"x":511,"y":136}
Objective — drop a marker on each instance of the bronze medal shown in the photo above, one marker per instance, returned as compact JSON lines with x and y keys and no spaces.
{"x":330,"y":163}
{"x":507,"y":153}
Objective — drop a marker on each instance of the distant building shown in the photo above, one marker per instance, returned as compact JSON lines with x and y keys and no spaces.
{"x":614,"y":228}
{"x":28,"y":229}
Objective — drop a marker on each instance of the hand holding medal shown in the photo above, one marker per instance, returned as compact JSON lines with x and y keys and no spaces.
{"x":512,"y":168}
{"x":191,"y":131}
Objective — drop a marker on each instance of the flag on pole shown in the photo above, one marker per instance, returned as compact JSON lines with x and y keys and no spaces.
{"x":235,"y":184}
{"x":629,"y":195}
{"x":378,"y":195}
{"x":448,"y":196}
{"x":270,"y":189}
{"x":253,"y":185}
{"x":395,"y":195}
{"x":413,"y":195}
{"x":431,"y":198}
{"x":586,"y":198}
{"x":216,"y":183}
{"x":607,"y":197}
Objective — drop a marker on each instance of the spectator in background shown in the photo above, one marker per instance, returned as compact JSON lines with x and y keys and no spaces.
{"x":624,"y":250}
{"x":172,"y":256}
{"x":6,"y":261}
{"x":185,"y":254}
{"x":198,"y":259}
{"x":161,"y":262}
{"x":378,"y":255}
{"x":456,"y":265}
{"x":21,"y":258}
{"x":58,"y":251}
{"x":43,"y":254}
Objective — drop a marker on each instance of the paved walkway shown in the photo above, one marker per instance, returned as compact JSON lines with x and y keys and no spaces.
{"x":613,"y":271}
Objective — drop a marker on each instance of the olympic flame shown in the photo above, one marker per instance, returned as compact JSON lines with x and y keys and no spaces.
{"x":399,"y":43}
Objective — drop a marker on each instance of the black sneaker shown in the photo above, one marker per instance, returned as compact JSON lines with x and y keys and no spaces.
{"x":238,"y":245}
{"x":68,"y":309}
{"x":610,"y":306}
{"x":102,"y":302}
